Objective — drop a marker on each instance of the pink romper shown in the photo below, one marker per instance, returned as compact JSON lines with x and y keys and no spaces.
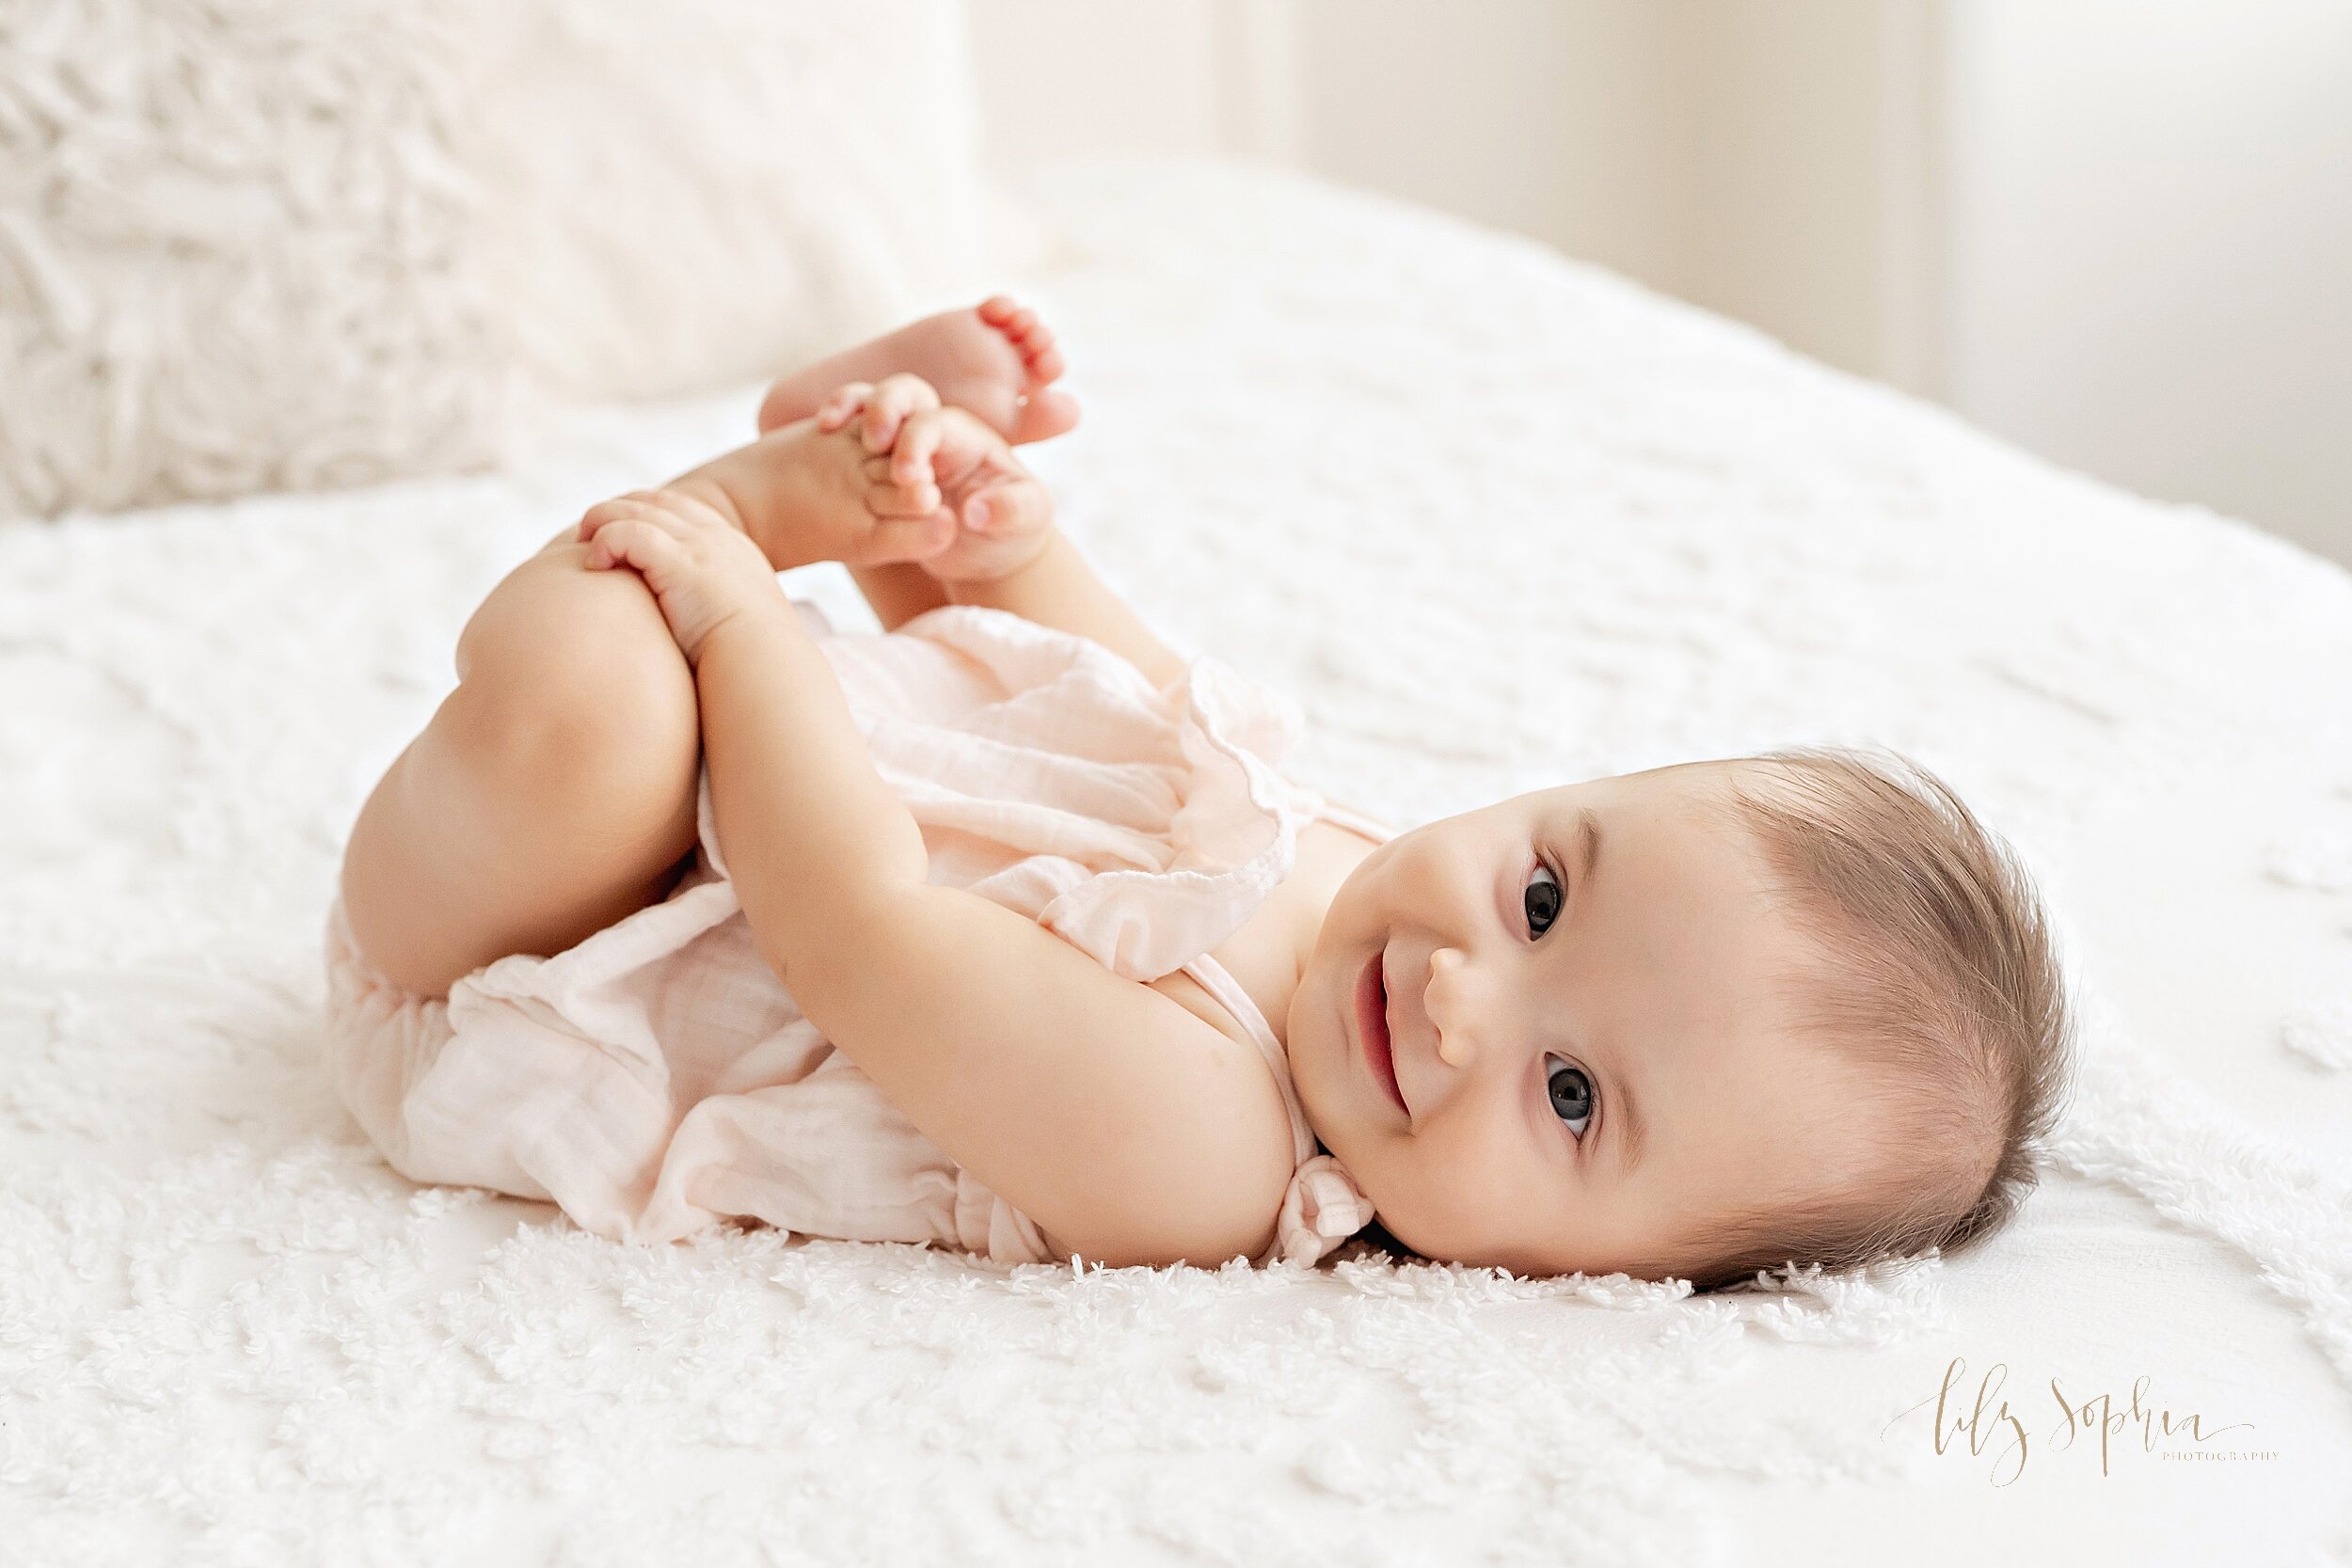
{"x":657,"y":1077}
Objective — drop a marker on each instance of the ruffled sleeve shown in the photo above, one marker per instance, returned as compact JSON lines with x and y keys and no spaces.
{"x":1149,"y":823}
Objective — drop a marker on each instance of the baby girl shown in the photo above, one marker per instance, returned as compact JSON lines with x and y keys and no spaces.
{"x":1002,"y":929}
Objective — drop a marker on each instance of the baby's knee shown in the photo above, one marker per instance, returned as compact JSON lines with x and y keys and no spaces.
{"x":562,"y":665}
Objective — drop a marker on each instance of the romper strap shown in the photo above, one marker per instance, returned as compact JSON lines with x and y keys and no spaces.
{"x":1356,"y":822}
{"x":1214,"y":979}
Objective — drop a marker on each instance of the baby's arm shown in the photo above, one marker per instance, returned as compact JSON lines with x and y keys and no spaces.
{"x":1129,"y":1130}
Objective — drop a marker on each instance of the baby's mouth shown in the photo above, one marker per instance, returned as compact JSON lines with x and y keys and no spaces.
{"x":1371,"y":1026}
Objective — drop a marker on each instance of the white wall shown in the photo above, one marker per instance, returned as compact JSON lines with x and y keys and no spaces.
{"x":1063,"y":76}
{"x":1810,"y":180}
{"x":1760,"y":157}
{"x":2115,"y":232}
{"x":2151,"y":229}
{"x":1558,"y":121}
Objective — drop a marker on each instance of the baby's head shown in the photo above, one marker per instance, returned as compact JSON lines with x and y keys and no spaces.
{"x":1691,"y":1022}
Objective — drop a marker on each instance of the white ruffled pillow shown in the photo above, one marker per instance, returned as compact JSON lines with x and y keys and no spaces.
{"x":707,"y":191}
{"x":235,"y":251}
{"x":279,"y":245}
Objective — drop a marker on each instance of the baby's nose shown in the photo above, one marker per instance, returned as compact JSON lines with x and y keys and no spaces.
{"x":1439,"y":1002}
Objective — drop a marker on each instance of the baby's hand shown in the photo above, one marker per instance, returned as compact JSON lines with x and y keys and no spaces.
{"x":703,"y":569}
{"x":993,"y":515}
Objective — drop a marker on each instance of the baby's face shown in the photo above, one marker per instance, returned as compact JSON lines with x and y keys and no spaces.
{"x":1581,"y":992}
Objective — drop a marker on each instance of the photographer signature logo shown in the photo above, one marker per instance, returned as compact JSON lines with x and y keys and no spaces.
{"x":1985,"y":1421}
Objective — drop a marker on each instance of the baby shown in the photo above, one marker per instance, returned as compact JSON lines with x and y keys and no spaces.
{"x":1691,"y":1022}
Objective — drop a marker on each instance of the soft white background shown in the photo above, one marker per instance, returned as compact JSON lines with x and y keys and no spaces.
{"x":2116,"y":231}
{"x":1498,"y":520}
{"x":228,"y":1335}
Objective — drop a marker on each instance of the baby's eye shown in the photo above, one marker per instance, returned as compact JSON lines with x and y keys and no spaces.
{"x":1543,"y":899}
{"x":1571,"y":1095}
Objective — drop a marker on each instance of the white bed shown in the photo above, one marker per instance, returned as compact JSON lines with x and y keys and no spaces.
{"x":1498,"y":520}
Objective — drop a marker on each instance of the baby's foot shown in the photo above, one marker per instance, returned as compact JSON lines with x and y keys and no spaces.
{"x":948,"y":466}
{"x":998,"y":361}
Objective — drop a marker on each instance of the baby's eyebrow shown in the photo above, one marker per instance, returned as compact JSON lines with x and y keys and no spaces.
{"x":1632,"y":1135}
{"x":1587,"y":844}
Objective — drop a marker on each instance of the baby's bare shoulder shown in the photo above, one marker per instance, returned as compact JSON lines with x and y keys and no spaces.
{"x":1255,"y":1122}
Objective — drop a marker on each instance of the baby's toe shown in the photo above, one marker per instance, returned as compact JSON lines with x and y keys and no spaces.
{"x":1020,"y":326}
{"x":1044,"y":414}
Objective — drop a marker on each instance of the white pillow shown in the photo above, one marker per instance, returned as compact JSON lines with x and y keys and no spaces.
{"x":292,"y":243}
{"x":707,"y":191}
{"x":235,"y":251}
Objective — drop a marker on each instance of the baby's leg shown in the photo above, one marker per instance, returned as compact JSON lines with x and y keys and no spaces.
{"x":553,"y":793}
{"x":997,"y":361}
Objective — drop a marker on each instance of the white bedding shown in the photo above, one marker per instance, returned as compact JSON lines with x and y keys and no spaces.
{"x":1498,"y":521}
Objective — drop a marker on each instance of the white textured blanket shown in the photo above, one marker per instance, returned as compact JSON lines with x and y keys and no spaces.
{"x":1498,"y":521}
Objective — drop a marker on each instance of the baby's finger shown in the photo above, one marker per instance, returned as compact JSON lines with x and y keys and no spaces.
{"x":895,"y":397}
{"x":638,"y":541}
{"x":644,"y":513}
{"x":1010,"y":507}
{"x":919,"y":500}
{"x":916,"y":538}
{"x":881,"y":419}
{"x":888,"y":495}
{"x":612,"y":511}
{"x":628,"y":505}
{"x":688,"y":511}
{"x":918,"y":442}
{"x":835,"y":410}
{"x":912,"y":390}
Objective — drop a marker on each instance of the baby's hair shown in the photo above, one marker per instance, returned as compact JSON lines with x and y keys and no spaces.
{"x":1941,"y":980}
